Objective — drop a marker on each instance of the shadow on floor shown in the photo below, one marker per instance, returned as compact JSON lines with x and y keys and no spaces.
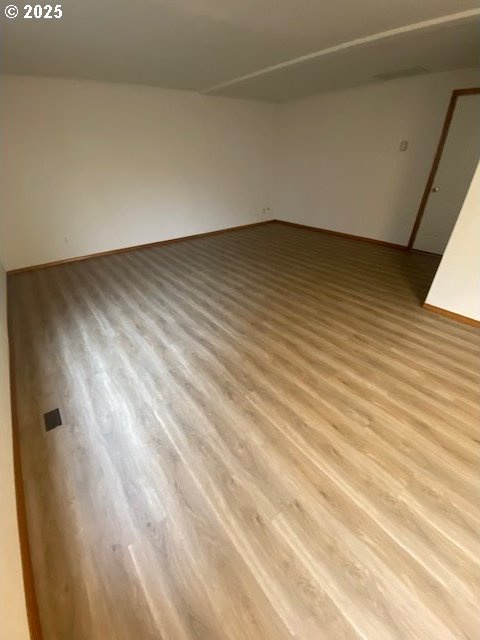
{"x":418,"y":271}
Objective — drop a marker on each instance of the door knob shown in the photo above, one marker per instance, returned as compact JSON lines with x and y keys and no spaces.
{"x":435,"y":189}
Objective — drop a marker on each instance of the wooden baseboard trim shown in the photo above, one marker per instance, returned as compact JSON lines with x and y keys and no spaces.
{"x":340,"y":234}
{"x":451,"y":315}
{"x":426,"y":253}
{"x":158,"y":243}
{"x":31,"y":602}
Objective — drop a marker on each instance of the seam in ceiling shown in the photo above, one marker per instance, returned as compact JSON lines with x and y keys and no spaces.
{"x":383,"y":35}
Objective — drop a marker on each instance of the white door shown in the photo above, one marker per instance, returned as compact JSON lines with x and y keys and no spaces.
{"x":457,"y":165}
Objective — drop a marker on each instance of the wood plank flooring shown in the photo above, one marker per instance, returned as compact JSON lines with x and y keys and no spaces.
{"x":265,"y":437}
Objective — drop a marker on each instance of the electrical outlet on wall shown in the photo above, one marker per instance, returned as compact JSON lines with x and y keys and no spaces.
{"x":266,"y":210}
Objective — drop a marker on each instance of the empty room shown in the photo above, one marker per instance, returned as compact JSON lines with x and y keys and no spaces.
{"x":240,"y":320}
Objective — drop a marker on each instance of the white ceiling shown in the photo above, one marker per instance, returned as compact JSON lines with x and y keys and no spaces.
{"x":201,"y":44}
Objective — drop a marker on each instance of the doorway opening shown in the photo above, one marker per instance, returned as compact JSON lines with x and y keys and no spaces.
{"x":454,"y":164}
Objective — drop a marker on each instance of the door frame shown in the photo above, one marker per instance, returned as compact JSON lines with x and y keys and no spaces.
{"x":436,"y":159}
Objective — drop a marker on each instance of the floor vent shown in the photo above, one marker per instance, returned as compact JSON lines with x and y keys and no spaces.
{"x":52,"y":419}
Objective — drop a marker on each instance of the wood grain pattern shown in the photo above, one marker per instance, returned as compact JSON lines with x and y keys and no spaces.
{"x":265,"y":437}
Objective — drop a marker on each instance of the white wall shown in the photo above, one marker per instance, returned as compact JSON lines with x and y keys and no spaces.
{"x":110,"y":165}
{"x":456,"y":286}
{"x":13,"y":620}
{"x":89,"y":166}
{"x":341,"y":167}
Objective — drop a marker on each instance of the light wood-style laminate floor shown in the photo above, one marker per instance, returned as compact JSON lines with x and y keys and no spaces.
{"x":265,"y":437}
